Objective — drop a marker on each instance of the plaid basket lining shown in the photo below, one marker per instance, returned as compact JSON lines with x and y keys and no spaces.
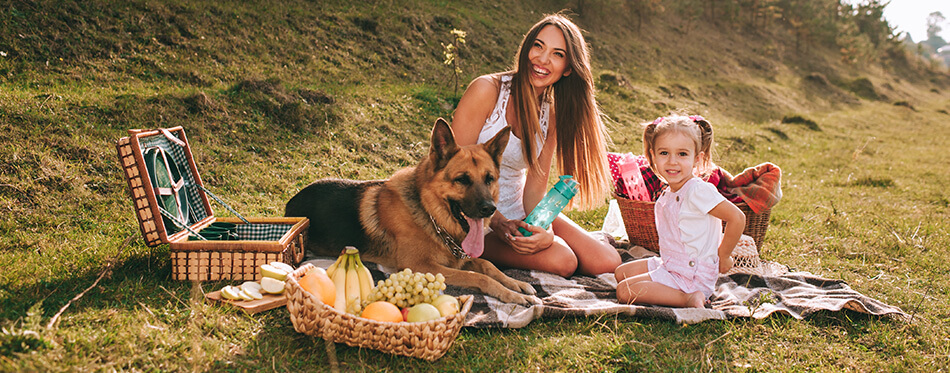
{"x":178,"y":155}
{"x":262,"y":232}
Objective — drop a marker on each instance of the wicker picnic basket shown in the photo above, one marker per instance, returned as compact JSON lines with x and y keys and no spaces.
{"x":260,"y":240}
{"x":639,"y":220}
{"x":425,"y":340}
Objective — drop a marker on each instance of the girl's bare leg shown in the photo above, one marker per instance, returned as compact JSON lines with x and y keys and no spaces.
{"x":640,"y":289}
{"x":630,"y":269}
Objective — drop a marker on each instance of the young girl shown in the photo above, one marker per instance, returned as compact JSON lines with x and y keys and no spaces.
{"x":548,"y":101}
{"x":689,"y":215}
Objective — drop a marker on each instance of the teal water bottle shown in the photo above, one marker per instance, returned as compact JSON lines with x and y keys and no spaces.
{"x":553,"y":202}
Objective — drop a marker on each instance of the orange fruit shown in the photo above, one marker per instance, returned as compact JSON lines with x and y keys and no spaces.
{"x":316,"y":282}
{"x":382,"y":311}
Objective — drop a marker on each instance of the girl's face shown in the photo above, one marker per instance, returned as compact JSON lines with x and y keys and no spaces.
{"x":674,"y":154}
{"x":548,"y":57}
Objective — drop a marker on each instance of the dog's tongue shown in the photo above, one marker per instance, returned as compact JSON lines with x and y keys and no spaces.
{"x":474,"y":242}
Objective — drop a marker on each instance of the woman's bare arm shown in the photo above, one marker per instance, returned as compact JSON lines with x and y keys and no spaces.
{"x":473,"y":109}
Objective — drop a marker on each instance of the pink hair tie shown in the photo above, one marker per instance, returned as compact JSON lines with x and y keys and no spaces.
{"x":694,"y":118}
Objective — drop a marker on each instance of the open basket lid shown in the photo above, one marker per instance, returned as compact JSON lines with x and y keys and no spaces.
{"x":161,"y":172}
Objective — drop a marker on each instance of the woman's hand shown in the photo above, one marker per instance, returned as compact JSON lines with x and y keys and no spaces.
{"x":539,"y":240}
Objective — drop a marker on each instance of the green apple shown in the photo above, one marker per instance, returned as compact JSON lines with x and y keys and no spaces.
{"x":272,"y":286}
{"x":230,"y":292}
{"x":446,"y":304}
{"x":423,"y":312}
{"x":282,"y":265}
{"x":268,"y":270}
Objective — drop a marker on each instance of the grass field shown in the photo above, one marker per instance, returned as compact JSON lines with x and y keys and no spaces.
{"x":273,"y":97}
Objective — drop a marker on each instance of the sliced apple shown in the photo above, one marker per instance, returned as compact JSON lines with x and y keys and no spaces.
{"x":230,"y":292}
{"x":251,"y":285}
{"x":272,"y":285}
{"x":244,"y":295}
{"x":254,"y":293}
{"x":268,"y":270}
{"x":282,"y":265}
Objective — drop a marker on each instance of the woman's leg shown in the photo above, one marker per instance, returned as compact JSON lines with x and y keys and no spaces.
{"x":557,"y":259}
{"x":593,"y":256}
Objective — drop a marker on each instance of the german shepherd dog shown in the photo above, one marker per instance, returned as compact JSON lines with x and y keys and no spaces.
{"x":416,"y":217}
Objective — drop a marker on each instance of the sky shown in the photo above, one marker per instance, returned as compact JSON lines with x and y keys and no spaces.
{"x":911,"y":16}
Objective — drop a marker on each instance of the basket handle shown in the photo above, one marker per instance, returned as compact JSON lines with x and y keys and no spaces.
{"x":172,"y":138}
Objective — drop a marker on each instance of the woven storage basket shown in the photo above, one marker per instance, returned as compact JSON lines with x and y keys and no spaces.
{"x":263,"y":239}
{"x":640,"y":222}
{"x":425,"y":340}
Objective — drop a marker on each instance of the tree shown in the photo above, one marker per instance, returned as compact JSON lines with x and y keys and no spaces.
{"x":933,"y":24}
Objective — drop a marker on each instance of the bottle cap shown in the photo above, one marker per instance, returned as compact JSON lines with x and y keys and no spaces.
{"x":566,"y":186}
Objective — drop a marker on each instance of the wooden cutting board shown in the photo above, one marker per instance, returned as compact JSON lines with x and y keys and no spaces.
{"x":269,"y":302}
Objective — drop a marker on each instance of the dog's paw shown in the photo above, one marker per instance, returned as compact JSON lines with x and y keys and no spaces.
{"x":533,"y":300}
{"x":527,"y":288}
{"x":528,"y":300}
{"x":521,"y":287}
{"x":520,"y":299}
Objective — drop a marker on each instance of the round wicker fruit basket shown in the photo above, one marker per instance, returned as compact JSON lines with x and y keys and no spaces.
{"x":425,"y":340}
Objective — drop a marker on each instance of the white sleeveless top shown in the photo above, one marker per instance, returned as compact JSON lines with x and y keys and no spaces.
{"x":513,"y":175}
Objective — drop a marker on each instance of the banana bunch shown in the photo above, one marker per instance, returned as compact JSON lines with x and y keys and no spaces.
{"x":352,"y":279}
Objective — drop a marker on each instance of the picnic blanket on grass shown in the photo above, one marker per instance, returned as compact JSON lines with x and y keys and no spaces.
{"x":796,"y":294}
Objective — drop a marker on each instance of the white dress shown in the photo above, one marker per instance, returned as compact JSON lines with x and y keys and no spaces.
{"x":513,"y":172}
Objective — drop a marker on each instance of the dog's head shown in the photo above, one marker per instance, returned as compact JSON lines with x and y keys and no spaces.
{"x":464,"y":184}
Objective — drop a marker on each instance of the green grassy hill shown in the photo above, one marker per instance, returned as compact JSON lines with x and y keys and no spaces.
{"x":274,"y":95}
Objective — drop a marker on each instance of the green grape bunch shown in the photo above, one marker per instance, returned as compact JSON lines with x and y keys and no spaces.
{"x":406,"y":288}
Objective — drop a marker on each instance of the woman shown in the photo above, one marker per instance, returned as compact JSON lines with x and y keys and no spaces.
{"x":548,"y":100}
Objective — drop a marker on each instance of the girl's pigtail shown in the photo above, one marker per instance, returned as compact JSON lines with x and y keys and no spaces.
{"x":705,"y":144}
{"x":649,"y":134}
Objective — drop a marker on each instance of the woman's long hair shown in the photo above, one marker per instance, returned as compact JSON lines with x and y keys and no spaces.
{"x":581,"y":135}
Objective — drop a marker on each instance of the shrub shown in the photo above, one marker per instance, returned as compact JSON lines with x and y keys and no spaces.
{"x":798,"y":119}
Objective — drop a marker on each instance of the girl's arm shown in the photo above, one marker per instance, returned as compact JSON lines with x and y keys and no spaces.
{"x":735,"y":224}
{"x":473,"y":109}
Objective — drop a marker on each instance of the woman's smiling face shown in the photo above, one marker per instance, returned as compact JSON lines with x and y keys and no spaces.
{"x":548,"y":57}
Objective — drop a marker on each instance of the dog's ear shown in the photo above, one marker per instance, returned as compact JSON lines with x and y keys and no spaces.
{"x":496,"y":146}
{"x":443,"y":144}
